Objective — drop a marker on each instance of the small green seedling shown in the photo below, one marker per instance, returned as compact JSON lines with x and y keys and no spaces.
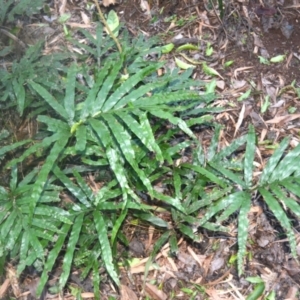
{"x":263,"y":60}
{"x":167,"y":48}
{"x":277,"y":59}
{"x":113,"y":22}
{"x":209,"y":50}
{"x":183,"y":65}
{"x":265,"y":104}
{"x":228,"y":63}
{"x":244,"y":95}
{"x":258,"y":289}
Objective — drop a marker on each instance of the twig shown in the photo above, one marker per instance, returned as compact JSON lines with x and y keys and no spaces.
{"x":107,"y":27}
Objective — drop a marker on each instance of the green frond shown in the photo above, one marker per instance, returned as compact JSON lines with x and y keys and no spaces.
{"x":281,"y":216}
{"x":106,"y":252}
{"x":68,"y":256}
{"x":249,"y":156}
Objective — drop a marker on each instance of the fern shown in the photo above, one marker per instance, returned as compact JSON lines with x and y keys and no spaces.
{"x":234,"y":187}
{"x":105,"y":123}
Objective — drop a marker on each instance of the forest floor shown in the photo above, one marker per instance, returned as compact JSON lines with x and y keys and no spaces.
{"x":255,"y":49}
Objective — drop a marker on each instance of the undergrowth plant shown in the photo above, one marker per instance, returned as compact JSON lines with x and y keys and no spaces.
{"x":104,"y":123}
{"x":102,"y":144}
{"x":231,"y":186}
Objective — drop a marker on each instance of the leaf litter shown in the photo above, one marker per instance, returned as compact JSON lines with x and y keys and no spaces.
{"x":207,"y":268}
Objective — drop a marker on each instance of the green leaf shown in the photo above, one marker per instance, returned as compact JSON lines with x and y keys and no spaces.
{"x":219,"y":206}
{"x":124,"y":140}
{"x":245,"y":95}
{"x":174,"y":120}
{"x":249,"y":156}
{"x":113,"y":21}
{"x":206,"y":173}
{"x":52,"y":256}
{"x":257,"y":292}
{"x":183,"y":65}
{"x":94,"y":95}
{"x":69,"y":101}
{"x":105,"y":246}
{"x":106,"y":88}
{"x":210,"y":71}
{"x":102,"y":131}
{"x":287,"y":166}
{"x":278,"y":58}
{"x":188,"y":231}
{"x":115,"y":101}
{"x":75,"y":190}
{"x":239,"y":198}
{"x":54,"y":212}
{"x":49,"y":99}
{"x":169,"y":200}
{"x":177,"y":183}
{"x":11,"y":147}
{"x":273,"y":161}
{"x":80,"y":138}
{"x":68,"y":256}
{"x":7,"y":226}
{"x":14,"y":178}
{"x":53,"y":125}
{"x":13,"y":235}
{"x":214,"y":143}
{"x":45,"y":170}
{"x":289,"y":202}
{"x":167,"y":48}
{"x":173,"y":244}
{"x":117,"y":225}
{"x":143,"y":131}
{"x":23,"y":251}
{"x":243,"y":228}
{"x":149,"y":217}
{"x":281,"y":217}
{"x":96,"y":279}
{"x":84,"y":186}
{"x":20,"y":94}
{"x":228,"y":174}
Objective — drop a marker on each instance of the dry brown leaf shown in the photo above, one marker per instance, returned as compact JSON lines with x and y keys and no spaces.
{"x":196,"y":257}
{"x":292,"y":293}
{"x":151,"y":230}
{"x":145,"y":7}
{"x":240,"y":120}
{"x":87,"y":295}
{"x":4,"y":287}
{"x":284,"y":119}
{"x":78,"y":25}
{"x":12,"y":275}
{"x":85,"y":18}
{"x":62,"y":7}
{"x":236,"y":71}
{"x":127,"y":293}
{"x":257,"y":41}
{"x":154,"y":292}
{"x":108,"y":2}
